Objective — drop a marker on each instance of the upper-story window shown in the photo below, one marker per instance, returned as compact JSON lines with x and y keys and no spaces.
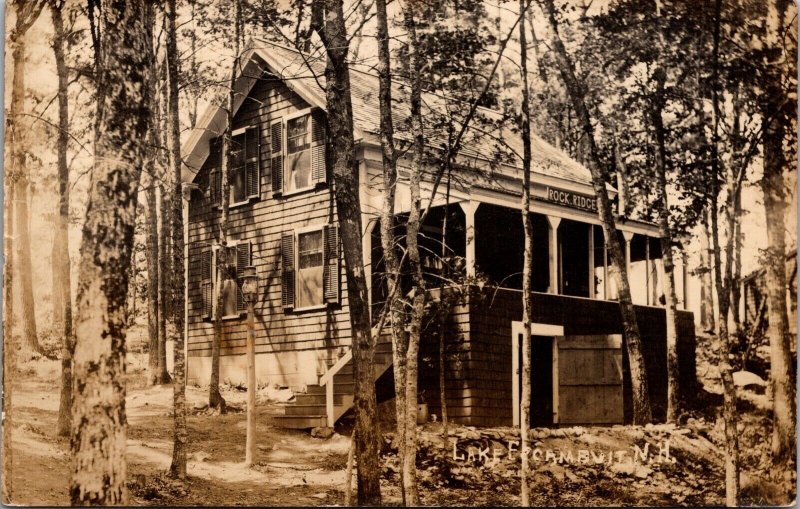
{"x":298,"y":152}
{"x":244,"y":177}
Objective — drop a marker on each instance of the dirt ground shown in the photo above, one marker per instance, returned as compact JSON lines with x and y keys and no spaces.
{"x":294,"y":469}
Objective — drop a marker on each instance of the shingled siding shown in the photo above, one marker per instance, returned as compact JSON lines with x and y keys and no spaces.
{"x":303,"y":343}
{"x":479,"y":392}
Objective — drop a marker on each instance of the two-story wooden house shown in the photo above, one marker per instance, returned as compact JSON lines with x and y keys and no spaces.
{"x":283,"y":222}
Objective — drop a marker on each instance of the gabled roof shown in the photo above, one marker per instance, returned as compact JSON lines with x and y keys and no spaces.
{"x":305,"y":75}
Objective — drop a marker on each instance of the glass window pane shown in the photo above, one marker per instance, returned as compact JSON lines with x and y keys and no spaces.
{"x":309,"y":249}
{"x":237,"y":150}
{"x":297,"y":134}
{"x":238,"y":188}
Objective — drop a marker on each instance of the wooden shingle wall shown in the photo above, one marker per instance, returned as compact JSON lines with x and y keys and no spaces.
{"x":262,"y":222}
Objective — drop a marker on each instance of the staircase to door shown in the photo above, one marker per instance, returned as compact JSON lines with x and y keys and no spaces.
{"x":328,"y":400}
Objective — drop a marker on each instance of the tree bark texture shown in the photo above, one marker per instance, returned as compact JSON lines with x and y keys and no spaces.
{"x":779,"y":112}
{"x":527,"y":263}
{"x":341,"y":156}
{"x":665,"y":232}
{"x":61,"y":240}
{"x":387,"y":229}
{"x":163,"y":280}
{"x":99,"y":423}
{"x":640,"y":393}
{"x":729,"y":412}
{"x":178,"y":296}
{"x":22,"y":268}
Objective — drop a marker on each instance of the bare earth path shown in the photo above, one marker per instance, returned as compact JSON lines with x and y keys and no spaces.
{"x":291,"y":468}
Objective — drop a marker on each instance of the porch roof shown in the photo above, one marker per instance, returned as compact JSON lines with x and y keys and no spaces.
{"x":305,"y":75}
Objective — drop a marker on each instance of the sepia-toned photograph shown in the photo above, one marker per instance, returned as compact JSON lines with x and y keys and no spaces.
{"x":400,"y":252}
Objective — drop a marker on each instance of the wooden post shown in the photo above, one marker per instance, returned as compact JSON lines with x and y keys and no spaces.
{"x":606,"y":290}
{"x":553,"y":223}
{"x":591,"y":261}
{"x":685,"y":277}
{"x":555,"y":379}
{"x":369,"y":226}
{"x":251,"y":385}
{"x":647,"y":271}
{"x":628,"y":236}
{"x":329,"y":402}
{"x":470,"y":208}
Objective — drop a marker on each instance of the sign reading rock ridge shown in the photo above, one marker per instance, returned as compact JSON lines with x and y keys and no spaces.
{"x":570,"y":199}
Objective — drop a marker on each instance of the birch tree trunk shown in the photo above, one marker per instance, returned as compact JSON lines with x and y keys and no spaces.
{"x":664,"y":231}
{"x":178,"y":466}
{"x":388,"y":225}
{"x":527,"y":262}
{"x":409,"y":470}
{"x":639,"y":386}
{"x":122,"y":120}
{"x":729,"y":413}
{"x":773,"y":187}
{"x":61,"y":240}
{"x":341,"y":156}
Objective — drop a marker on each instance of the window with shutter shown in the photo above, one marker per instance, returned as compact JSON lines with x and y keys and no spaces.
{"x":237,"y":176}
{"x":215,"y":177}
{"x":206,"y":283}
{"x":252,"y":163}
{"x":276,"y":157}
{"x":332,"y":267}
{"x":243,"y":259}
{"x":287,"y":270}
{"x":319,"y":173}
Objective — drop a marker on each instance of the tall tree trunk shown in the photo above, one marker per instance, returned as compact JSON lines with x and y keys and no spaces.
{"x":527,"y":262}
{"x":122,"y":121}
{"x":388,"y":224}
{"x":664,"y":231}
{"x":729,"y":412}
{"x":409,"y":470}
{"x":341,"y":155}
{"x":23,"y":270}
{"x":707,"y":320}
{"x":163,"y":280}
{"x":151,"y":248}
{"x":61,"y":240}
{"x":444,"y":313}
{"x":640,"y":394}
{"x":773,"y":187}
{"x":151,"y":213}
{"x":178,"y":465}
{"x":215,"y":399}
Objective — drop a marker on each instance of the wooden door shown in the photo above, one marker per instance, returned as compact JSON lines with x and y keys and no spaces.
{"x":590,"y":379}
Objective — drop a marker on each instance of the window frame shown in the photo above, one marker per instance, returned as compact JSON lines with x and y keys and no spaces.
{"x":301,"y":231}
{"x":285,"y":150}
{"x":242,"y":131}
{"x":232,"y":244}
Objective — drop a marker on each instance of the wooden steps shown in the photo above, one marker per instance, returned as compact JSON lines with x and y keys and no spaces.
{"x":309,"y":410}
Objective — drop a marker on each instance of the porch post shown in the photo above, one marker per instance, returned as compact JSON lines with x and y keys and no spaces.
{"x":553,"y":223}
{"x":591,"y":261}
{"x":366,"y":240}
{"x":685,"y":277}
{"x":628,"y":236}
{"x":647,"y":271}
{"x":469,"y":208}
